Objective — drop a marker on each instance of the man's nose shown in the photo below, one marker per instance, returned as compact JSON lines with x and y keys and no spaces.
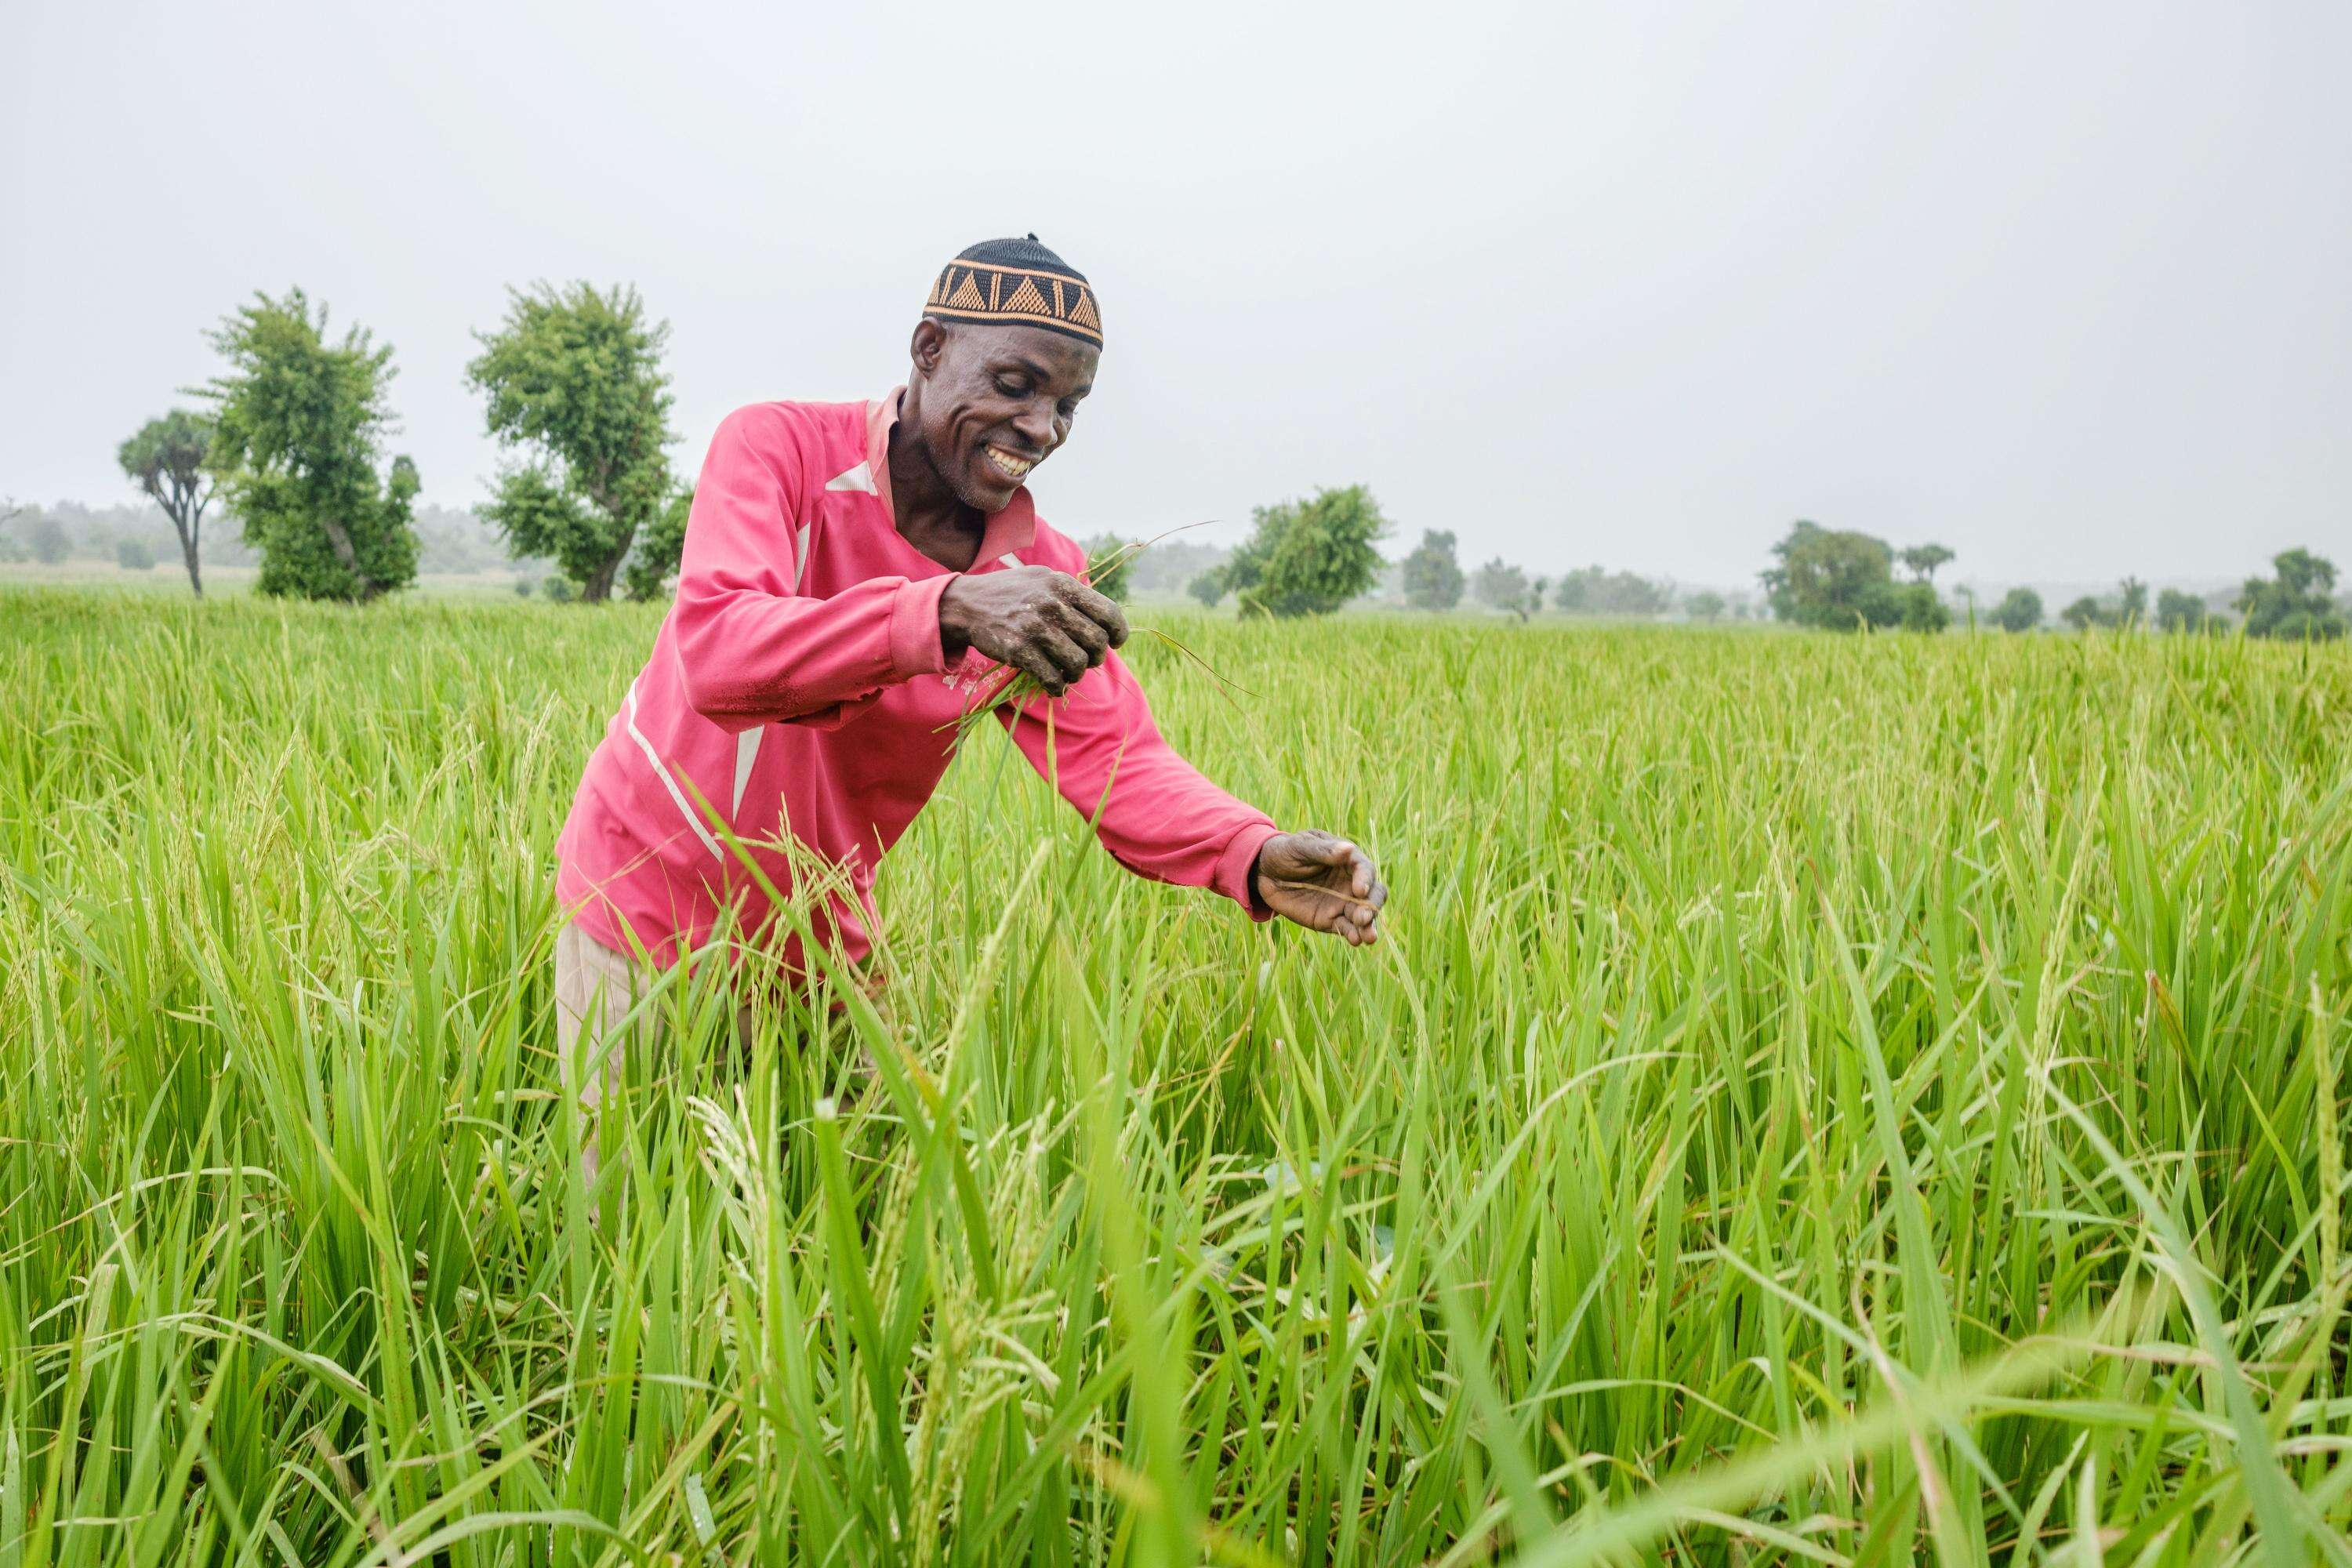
{"x":1035,"y":424}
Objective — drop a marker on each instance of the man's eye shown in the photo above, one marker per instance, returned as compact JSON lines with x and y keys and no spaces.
{"x":1011,"y":388}
{"x":1068,"y":409}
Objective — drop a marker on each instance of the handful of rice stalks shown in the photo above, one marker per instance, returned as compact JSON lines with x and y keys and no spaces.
{"x":1007,"y":684}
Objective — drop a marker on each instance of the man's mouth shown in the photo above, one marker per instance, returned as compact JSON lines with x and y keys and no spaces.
{"x":1012,"y":468}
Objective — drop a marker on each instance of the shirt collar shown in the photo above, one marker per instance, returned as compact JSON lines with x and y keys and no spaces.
{"x":1014,"y":528}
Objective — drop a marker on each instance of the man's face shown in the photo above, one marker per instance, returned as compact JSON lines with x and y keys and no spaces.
{"x":994,"y":402}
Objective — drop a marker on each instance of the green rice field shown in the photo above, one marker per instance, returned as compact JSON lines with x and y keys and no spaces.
{"x":1817,"y":1101}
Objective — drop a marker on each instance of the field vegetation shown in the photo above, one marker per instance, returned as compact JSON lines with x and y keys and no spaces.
{"x":1819,"y":1099}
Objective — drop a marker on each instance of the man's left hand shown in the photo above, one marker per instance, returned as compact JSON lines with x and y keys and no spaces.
{"x":1323,"y":883}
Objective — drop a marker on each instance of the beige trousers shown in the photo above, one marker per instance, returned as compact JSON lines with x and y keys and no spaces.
{"x":593,"y":984}
{"x":594,"y":989}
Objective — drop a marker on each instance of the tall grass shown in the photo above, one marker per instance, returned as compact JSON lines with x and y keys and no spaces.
{"x":1817,"y":1102}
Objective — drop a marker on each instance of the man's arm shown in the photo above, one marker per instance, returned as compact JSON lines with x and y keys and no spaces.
{"x":751,"y":649}
{"x":1161,"y":818}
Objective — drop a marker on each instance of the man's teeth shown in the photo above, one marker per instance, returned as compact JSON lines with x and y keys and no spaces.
{"x":1011,"y":466}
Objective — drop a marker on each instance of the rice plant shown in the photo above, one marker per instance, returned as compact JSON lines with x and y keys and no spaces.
{"x":1817,"y":1101}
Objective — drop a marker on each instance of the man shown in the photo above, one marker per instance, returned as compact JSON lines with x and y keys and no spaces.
{"x":852,"y":574}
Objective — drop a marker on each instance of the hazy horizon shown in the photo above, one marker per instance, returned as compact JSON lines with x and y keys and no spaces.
{"x":2062,"y":290}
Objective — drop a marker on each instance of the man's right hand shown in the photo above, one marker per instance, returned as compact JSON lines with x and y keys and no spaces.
{"x":1032,"y":619}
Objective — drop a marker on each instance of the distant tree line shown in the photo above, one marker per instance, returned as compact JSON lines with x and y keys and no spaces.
{"x":450,"y":542}
{"x":291,"y":443}
{"x":1845,"y":580}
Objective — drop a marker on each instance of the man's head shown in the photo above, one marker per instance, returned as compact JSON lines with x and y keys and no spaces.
{"x":1004,"y":352}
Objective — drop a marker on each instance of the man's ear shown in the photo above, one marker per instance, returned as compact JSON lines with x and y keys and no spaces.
{"x":930,"y":342}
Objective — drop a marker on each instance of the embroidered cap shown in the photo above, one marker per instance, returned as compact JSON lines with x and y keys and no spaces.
{"x":1017,"y":282}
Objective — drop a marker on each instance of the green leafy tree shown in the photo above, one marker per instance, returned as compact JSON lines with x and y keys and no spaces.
{"x":1922,"y":610}
{"x":653,"y":564}
{"x":1505,"y":586}
{"x":2296,"y":605}
{"x":575,"y":382}
{"x":2086,"y":613}
{"x":1833,"y":579}
{"x":1308,"y":558}
{"x":1111,"y":580}
{"x":1922,"y":559}
{"x":1590,"y":591}
{"x":298,"y":424}
{"x":134,"y":555}
{"x":1432,"y":575}
{"x":2180,"y":611}
{"x":2131,"y":603}
{"x":47,"y":540}
{"x":166,"y":459}
{"x":2020,"y":610}
{"x":1705,"y":607}
{"x":1208,"y":587}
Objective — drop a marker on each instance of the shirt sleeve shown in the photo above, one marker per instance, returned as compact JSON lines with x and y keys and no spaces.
{"x":753,"y":650}
{"x":1152,"y":810}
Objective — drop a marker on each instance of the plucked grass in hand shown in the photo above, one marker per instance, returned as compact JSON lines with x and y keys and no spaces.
{"x":1006,"y":685}
{"x":1817,"y":1101}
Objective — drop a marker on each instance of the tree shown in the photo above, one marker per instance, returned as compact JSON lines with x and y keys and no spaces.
{"x":47,"y":538}
{"x":1505,"y":586}
{"x":2020,"y":610}
{"x":134,"y":555}
{"x":2180,"y":612}
{"x":1208,"y":587}
{"x":573,"y":379}
{"x":1922,"y":611}
{"x":2086,"y":613}
{"x":1921,"y":561}
{"x":1306,"y":558}
{"x":166,"y":459}
{"x":2296,"y":605}
{"x":1590,"y":591}
{"x":2131,"y":609}
{"x":1705,"y":607}
{"x":299,"y":425}
{"x":1111,"y":580}
{"x":653,"y":564}
{"x":1433,"y":576}
{"x":1833,"y":579}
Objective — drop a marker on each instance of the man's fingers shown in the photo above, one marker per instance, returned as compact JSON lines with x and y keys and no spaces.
{"x":1083,"y":630}
{"x":1101,"y":610}
{"x":1065,"y":659}
{"x":1031,"y":658}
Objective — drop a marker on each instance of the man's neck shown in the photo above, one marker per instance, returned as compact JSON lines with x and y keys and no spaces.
{"x":927,"y":514}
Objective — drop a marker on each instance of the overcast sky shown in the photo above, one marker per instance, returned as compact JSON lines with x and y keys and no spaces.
{"x":2068,"y":287}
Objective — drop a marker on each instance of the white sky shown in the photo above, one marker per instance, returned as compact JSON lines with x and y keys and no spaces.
{"x":2068,"y":287}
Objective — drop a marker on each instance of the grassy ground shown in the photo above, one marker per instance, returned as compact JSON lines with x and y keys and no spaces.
{"x":1820,"y":1101}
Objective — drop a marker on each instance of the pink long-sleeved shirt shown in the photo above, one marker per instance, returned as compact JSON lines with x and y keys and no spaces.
{"x":799,"y":687}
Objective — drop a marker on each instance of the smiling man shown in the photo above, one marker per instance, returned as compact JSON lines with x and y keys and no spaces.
{"x":852,"y":573}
